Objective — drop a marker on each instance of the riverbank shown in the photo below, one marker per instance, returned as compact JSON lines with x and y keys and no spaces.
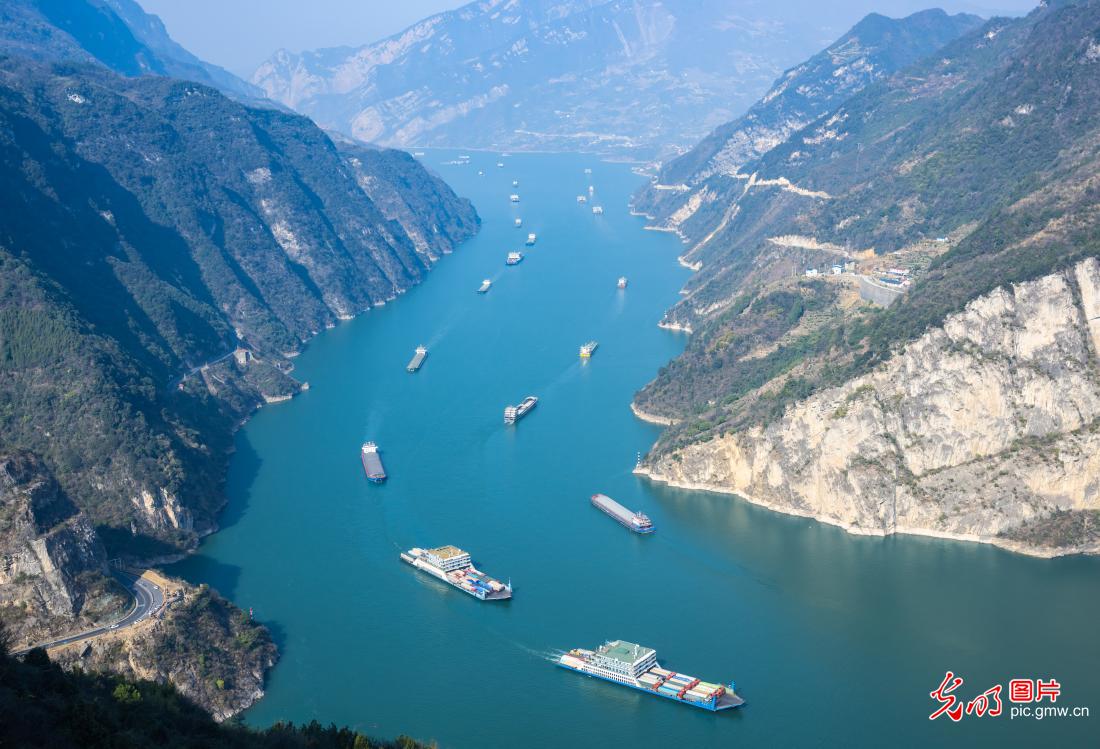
{"x":1003,"y":543}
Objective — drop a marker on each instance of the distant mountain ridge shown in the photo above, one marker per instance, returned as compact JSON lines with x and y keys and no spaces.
{"x":875,"y":47}
{"x":615,"y":76}
{"x":114,"y":33}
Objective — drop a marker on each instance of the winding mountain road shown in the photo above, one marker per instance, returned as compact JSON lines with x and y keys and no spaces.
{"x":148,"y":599}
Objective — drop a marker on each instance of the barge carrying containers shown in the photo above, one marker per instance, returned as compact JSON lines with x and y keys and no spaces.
{"x":635,"y":666}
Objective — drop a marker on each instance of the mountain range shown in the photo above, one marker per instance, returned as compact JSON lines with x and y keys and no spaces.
{"x":166,"y":248}
{"x":961,"y":191}
{"x":625,"y":77}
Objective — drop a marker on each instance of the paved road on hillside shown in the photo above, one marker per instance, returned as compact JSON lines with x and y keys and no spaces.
{"x":148,"y":598}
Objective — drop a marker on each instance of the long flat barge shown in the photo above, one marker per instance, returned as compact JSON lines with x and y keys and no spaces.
{"x":638,"y":522}
{"x":636,"y":666}
{"x":418,"y":359}
{"x":372,"y":463}
{"x":454,"y":567}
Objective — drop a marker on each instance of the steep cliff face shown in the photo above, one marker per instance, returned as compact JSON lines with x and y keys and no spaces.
{"x":150,"y":227}
{"x":205,"y":647}
{"x":53,"y":570}
{"x":987,"y":428}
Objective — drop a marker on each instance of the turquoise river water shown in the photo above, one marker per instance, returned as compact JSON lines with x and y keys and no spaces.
{"x":834,"y":640}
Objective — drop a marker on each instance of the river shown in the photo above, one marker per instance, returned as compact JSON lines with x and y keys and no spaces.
{"x":833,"y":639}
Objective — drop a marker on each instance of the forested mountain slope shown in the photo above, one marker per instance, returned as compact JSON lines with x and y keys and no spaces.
{"x":872,"y":49}
{"x":974,"y":170}
{"x":150,"y":226}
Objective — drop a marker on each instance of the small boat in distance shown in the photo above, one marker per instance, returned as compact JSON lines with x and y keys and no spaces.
{"x":372,"y":463}
{"x":418,"y":153}
{"x":418,"y":359}
{"x":519,"y":222}
{"x":514,"y":258}
{"x":500,"y":164}
{"x":514,"y":198}
{"x":638,"y":522}
{"x":485,"y":285}
{"x":588,"y":348}
{"x":531,"y":239}
{"x":453,"y":566}
{"x":597,"y":210}
{"x":512,"y":414}
{"x":622,"y":282}
{"x":515,"y":183}
{"x":587,"y":171}
{"x":582,"y":199}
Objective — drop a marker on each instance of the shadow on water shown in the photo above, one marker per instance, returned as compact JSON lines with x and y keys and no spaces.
{"x":199,"y":568}
{"x":243,"y":472}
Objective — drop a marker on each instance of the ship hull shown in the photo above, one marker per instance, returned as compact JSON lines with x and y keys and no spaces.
{"x":623,"y":523}
{"x":716,"y":706}
{"x":375,"y":473}
{"x":501,"y":595}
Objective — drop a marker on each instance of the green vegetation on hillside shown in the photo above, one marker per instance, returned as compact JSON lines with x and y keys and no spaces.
{"x":992,"y":139}
{"x":43,"y":706}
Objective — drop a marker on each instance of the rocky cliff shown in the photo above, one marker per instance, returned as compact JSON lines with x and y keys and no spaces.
{"x":53,"y":570}
{"x":205,"y":647}
{"x":986,"y":429}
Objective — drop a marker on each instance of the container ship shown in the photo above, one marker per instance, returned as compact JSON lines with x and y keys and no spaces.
{"x":636,"y":666}
{"x":512,"y":414}
{"x":514,"y":258}
{"x":638,"y":522}
{"x":453,"y":566}
{"x":418,"y":359}
{"x":485,"y":286}
{"x":372,"y":463}
{"x":622,"y":282}
{"x":588,"y":349}
{"x":531,"y":239}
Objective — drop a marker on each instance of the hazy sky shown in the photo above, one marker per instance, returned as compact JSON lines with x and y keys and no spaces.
{"x":240,"y":34}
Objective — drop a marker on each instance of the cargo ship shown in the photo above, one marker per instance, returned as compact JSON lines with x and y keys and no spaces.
{"x":514,"y":198}
{"x":418,"y":359}
{"x":453,"y":566}
{"x":514,"y":258}
{"x":512,"y":414}
{"x":485,"y":286}
{"x":638,"y":522}
{"x":622,"y":282}
{"x":636,"y":666}
{"x":372,"y":463}
{"x":531,"y":239}
{"x":588,"y":349}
